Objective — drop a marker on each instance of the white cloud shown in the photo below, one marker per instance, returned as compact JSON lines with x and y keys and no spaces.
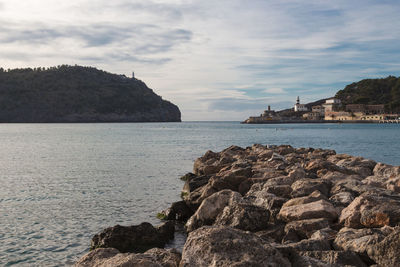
{"x":196,"y":53}
{"x":275,"y":91}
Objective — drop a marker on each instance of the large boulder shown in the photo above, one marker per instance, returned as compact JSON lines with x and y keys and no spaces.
{"x":313,"y":210}
{"x":178,"y":211}
{"x":135,"y":238}
{"x":225,"y":246}
{"x":369,"y":210}
{"x":105,"y":257}
{"x":211,"y":207}
{"x":245,"y":216}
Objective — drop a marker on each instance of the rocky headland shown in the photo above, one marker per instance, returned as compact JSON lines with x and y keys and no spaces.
{"x":79,"y":94}
{"x":270,"y":206}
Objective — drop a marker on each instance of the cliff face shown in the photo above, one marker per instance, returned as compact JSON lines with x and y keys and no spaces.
{"x":79,"y":94}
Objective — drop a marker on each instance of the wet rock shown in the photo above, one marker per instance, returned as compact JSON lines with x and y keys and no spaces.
{"x":104,"y":257}
{"x":178,"y":211}
{"x":225,"y":246}
{"x":305,"y":228}
{"x":371,"y":211}
{"x":313,"y":210}
{"x":304,"y":187}
{"x":136,"y":238}
{"x":211,"y":207}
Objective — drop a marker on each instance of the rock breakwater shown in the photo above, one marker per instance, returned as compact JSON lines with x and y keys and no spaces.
{"x":270,"y":206}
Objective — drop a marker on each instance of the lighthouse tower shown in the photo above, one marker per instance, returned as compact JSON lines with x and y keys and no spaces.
{"x":299,"y":107}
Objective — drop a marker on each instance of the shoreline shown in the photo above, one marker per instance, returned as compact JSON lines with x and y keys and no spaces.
{"x":275,"y":205}
{"x":318,"y":122}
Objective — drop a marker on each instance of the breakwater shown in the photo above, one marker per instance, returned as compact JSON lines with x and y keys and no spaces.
{"x":270,"y":206}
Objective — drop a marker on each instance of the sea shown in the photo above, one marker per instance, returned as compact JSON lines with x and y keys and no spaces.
{"x":62,"y":183}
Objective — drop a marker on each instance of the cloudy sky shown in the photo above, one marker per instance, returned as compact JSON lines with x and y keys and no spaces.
{"x":215,"y":59}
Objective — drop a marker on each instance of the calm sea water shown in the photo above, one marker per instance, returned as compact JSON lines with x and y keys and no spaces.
{"x":63,"y":183}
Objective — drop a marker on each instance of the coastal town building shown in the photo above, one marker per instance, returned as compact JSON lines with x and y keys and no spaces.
{"x":367,"y":109}
{"x":332,"y":104}
{"x":299,"y":107}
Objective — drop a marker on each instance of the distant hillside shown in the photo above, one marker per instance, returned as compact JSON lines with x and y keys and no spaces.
{"x":373,"y":91}
{"x":79,"y":94}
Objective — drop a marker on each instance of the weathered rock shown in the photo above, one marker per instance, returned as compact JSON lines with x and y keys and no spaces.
{"x":305,"y":228}
{"x":371,"y":211}
{"x":274,"y":232}
{"x":207,"y":164}
{"x":304,"y":187}
{"x":361,"y":241}
{"x":314,"y":196}
{"x":211,"y":207}
{"x":386,"y":170}
{"x":304,"y":261}
{"x":195,"y":182}
{"x":313,"y":210}
{"x":341,"y":199}
{"x":320,"y":164}
{"x":104,"y":257}
{"x":305,"y":245}
{"x":244,"y":215}
{"x":335,"y":258}
{"x":136,"y":238}
{"x":386,"y":252}
{"x":188,"y":176}
{"x":225,"y":246}
{"x":178,"y":211}
{"x":324,"y":234}
{"x":283,"y":191}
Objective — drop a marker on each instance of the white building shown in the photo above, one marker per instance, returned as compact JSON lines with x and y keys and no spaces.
{"x":332,"y":104}
{"x":299,"y":107}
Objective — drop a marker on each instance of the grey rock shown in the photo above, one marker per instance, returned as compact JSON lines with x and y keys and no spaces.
{"x":225,"y":246}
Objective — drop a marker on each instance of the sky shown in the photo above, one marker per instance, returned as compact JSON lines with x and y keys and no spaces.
{"x":215,"y":59}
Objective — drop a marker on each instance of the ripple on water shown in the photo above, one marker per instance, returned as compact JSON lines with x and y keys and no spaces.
{"x":63,"y":183}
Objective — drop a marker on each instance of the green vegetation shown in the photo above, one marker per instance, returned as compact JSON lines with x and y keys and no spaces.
{"x":161,"y":216}
{"x":78,"y":94}
{"x":184,"y":195}
{"x":373,"y":91}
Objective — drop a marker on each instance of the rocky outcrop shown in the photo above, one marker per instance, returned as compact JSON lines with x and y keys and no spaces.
{"x":284,"y":206}
{"x":136,"y":238}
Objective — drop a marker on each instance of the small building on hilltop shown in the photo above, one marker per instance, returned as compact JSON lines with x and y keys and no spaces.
{"x":299,"y":107}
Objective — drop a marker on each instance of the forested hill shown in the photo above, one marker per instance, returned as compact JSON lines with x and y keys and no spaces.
{"x":79,"y":94}
{"x":373,"y":91}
